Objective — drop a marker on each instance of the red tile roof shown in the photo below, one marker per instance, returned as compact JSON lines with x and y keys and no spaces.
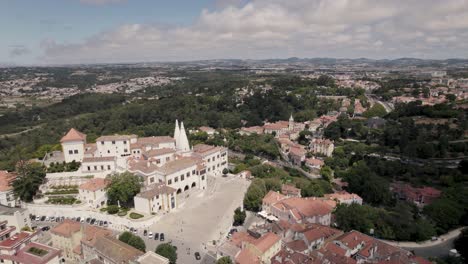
{"x":272,"y":197}
{"x":6,"y":179}
{"x":94,"y":184}
{"x":67,"y":228}
{"x":266,"y":241}
{"x":73,"y":135}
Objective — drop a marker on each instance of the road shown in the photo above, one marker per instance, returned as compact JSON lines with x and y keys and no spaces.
{"x":429,"y":248}
{"x":374,"y":100}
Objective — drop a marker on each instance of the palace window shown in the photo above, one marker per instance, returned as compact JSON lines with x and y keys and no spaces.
{"x":89,"y":168}
{"x":182,"y":177}
{"x":169,"y":182}
{"x":108,"y":167}
{"x":125,"y":141}
{"x":76,"y":151}
{"x":102,"y":142}
{"x":176,"y":179}
{"x":70,"y":152}
{"x":113,"y":142}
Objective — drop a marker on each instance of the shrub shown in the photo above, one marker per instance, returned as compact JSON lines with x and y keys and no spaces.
{"x":112,"y":209}
{"x":122,"y":213}
{"x":135,"y":216}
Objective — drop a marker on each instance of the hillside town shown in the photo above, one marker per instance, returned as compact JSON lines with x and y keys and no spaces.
{"x":354,"y":168}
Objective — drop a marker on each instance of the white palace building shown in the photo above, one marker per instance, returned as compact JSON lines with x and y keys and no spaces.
{"x":167,"y":165}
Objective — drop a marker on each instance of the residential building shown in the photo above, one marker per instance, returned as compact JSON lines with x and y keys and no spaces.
{"x":322,"y":146}
{"x":290,"y":191}
{"x":420,"y":196}
{"x":21,"y":248}
{"x":110,"y":250}
{"x":156,"y":198}
{"x":298,"y":210}
{"x":343,"y":197}
{"x":67,"y":236}
{"x":314,"y":163}
{"x":152,"y":258}
{"x":18,"y":217}
{"x":93,"y":192}
{"x":7,"y":197}
{"x":259,"y":250}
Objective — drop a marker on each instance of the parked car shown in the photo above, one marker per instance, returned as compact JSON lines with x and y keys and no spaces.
{"x":38,"y":218}
{"x":82,"y":220}
{"x":88,"y":220}
{"x":92,"y":221}
{"x":197,"y":256}
{"x":145,"y":232}
{"x":161,"y":237}
{"x":105,"y":224}
{"x":52,"y":218}
{"x":150,"y":235}
{"x":78,"y":219}
{"x":156,"y":236}
{"x":43,"y":218}
{"x":45,"y":228}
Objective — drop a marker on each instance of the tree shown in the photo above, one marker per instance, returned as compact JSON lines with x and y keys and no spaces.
{"x":225,"y":171}
{"x":239,"y":217}
{"x":224,"y":260}
{"x":445,"y":213}
{"x":30,"y":177}
{"x":327,"y":173}
{"x":133,"y":240}
{"x":168,"y":251}
{"x":112,"y":209}
{"x":255,"y":193}
{"x":123,"y":187}
{"x":377,"y":110}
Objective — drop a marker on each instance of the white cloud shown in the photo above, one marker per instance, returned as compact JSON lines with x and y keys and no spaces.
{"x":277,"y":28}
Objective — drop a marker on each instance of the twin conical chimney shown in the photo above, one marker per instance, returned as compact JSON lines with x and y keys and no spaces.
{"x":182,"y":143}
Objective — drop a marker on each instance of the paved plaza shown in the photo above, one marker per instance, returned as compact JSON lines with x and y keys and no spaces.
{"x":207,"y":216}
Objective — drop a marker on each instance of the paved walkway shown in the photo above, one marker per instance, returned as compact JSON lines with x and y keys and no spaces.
{"x":428,"y":243}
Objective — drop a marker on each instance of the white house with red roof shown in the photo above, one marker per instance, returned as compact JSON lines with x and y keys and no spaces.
{"x":93,"y":192}
{"x":73,"y":145}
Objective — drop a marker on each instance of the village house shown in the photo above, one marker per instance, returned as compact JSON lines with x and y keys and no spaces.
{"x":156,"y":198}
{"x":93,"y":192}
{"x":314,"y":163}
{"x":419,"y":196}
{"x":343,"y":197}
{"x":259,"y":250}
{"x":290,"y":191}
{"x":322,"y":146}
{"x":17,"y":217}
{"x":298,"y":210}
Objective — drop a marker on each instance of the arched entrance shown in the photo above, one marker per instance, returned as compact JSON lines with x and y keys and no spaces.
{"x":179,"y":191}
{"x":186,"y":188}
{"x":194,"y":184}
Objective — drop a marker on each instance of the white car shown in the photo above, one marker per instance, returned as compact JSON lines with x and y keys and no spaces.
{"x":47,"y":218}
{"x":150,"y":235}
{"x":52,"y":219}
{"x":38,"y":218}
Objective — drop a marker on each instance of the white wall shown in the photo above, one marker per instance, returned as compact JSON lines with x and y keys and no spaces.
{"x":113,"y":148}
{"x":73,"y":150}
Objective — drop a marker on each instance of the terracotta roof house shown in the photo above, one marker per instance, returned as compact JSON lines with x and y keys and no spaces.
{"x":420,"y":196}
{"x":290,"y":191}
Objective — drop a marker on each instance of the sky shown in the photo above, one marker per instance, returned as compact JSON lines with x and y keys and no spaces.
{"x":47,"y":32}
